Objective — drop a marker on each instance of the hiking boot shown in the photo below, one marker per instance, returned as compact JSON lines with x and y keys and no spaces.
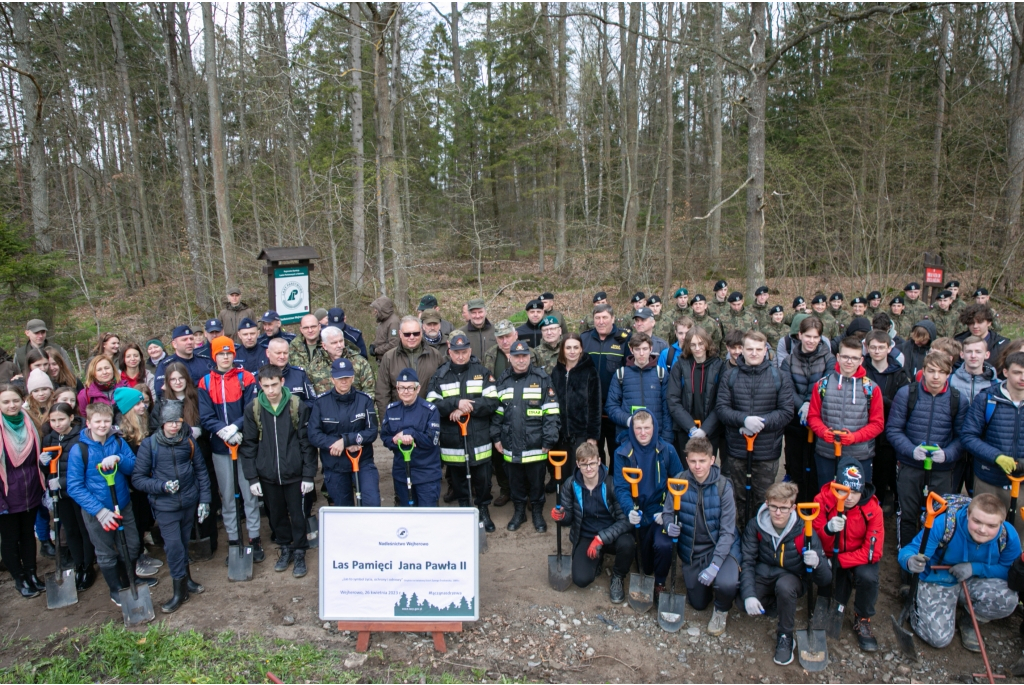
{"x":969,"y":638}
{"x":47,"y":549}
{"x":615,"y":592}
{"x":485,"y":518}
{"x":84,"y":578}
{"x":179,"y":597}
{"x":143,"y":567}
{"x":258,"y":554}
{"x":784,"y":650}
{"x":716,"y":626}
{"x":449,"y":495}
{"x":299,"y":556}
{"x":862,"y":629}
{"x":502,"y":499}
{"x":194,"y":588}
{"x":284,"y":558}
{"x":518,"y":518}
{"x":538,"y":520}
{"x":658,"y":589}
{"x":150,"y":560}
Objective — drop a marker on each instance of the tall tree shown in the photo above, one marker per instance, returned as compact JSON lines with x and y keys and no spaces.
{"x":630,"y":140}
{"x":715,"y":189}
{"x":355,"y":51}
{"x":1014,"y":139}
{"x":289,"y":121}
{"x":940,"y":122}
{"x":669,"y":137}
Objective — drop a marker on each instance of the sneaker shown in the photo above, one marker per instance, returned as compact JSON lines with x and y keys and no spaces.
{"x":716,"y":626}
{"x":258,"y":555}
{"x":283,"y":560}
{"x":784,"y":650}
{"x":156,"y":563}
{"x":299,"y":569}
{"x":615,"y":592}
{"x":969,"y":638}
{"x":147,"y":539}
{"x":862,"y":629}
{"x":144,"y":569}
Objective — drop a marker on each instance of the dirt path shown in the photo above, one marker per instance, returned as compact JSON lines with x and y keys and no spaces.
{"x":527,"y":630}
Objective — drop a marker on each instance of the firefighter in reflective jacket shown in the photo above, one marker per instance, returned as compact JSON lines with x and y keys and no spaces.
{"x":413,"y":423}
{"x":462,"y":388}
{"x":524,"y":427}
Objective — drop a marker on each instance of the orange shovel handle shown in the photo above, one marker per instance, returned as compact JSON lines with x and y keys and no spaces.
{"x":696,"y":422}
{"x":463,"y":422}
{"x":234,"y":452}
{"x":835,"y":441}
{"x":810,"y":435}
{"x":633,"y":477}
{"x":808,"y":511}
{"x":358,"y":451}
{"x":750,"y":441}
{"x":56,"y":456}
{"x":841,"y":492}
{"x":1015,"y":485}
{"x":556,"y":463}
{"x":933,"y":506}
{"x":677,"y":487}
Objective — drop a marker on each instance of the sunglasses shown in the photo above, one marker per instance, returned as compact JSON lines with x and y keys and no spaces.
{"x":414,"y":334}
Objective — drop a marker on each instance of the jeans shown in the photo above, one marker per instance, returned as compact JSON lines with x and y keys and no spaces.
{"x":341,"y":492}
{"x":222,"y":465}
{"x":423,"y":494}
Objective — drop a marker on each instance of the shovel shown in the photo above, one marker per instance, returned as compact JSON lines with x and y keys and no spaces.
{"x":464,"y":429}
{"x":833,"y":617}
{"x":672,"y":607}
{"x":407,"y":457}
{"x":750,"y":476}
{"x":136,"y":602}
{"x":1014,"y":491}
{"x":199,"y":548}
{"x":312,"y":529}
{"x":60,"y":585}
{"x":933,"y":506}
{"x":239,"y":556}
{"x":811,"y":647}
{"x":641,"y":586}
{"x":977,"y":631}
{"x":354,"y":454}
{"x":559,"y":567}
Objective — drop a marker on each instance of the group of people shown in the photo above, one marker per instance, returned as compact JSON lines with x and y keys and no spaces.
{"x":873,"y":409}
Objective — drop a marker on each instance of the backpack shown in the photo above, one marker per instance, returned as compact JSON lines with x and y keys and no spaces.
{"x":620,"y":373}
{"x":731,"y":380}
{"x":294,"y":409}
{"x":84,"y":450}
{"x":954,"y":402}
{"x":954,"y":504}
{"x":869,"y":387}
{"x":671,"y":356}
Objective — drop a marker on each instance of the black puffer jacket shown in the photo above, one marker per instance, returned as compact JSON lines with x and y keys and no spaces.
{"x":571,"y":499}
{"x":767,"y":554}
{"x":913,"y":356}
{"x":283,"y":454}
{"x":579,"y":399}
{"x":804,"y":370}
{"x":159,"y":461}
{"x":684,"y":380}
{"x":65,"y":442}
{"x":760,"y":390}
{"x":889,"y":381}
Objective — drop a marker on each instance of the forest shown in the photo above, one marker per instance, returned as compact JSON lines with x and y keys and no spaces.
{"x":634,"y":144}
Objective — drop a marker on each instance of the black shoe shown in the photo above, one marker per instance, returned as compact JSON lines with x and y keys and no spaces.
{"x":862,"y":629}
{"x":485,"y":518}
{"x":299,"y":557}
{"x":34,"y":581}
{"x":283,"y":559}
{"x":551,"y":486}
{"x":258,"y":555}
{"x":784,"y":650}
{"x":538,"y":520}
{"x":501,"y":500}
{"x":518,"y":518}
{"x":179,"y":597}
{"x":449,"y":496}
{"x":47,"y":549}
{"x":615,"y":592}
{"x":194,"y":588}
{"x":27,"y":590}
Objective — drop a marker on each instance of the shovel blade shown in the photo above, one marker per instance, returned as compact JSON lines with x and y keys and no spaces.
{"x":671,"y":611}
{"x":811,"y":649}
{"x":641,"y":592}
{"x":904,"y":638}
{"x":60,"y":589}
{"x":834,"y":623}
{"x":483,"y":536}
{"x":820,"y":617}
{"x":239,"y":563}
{"x":136,"y":607}
{"x":313,"y":532}
{"x":200,"y":549}
{"x":559,"y":572}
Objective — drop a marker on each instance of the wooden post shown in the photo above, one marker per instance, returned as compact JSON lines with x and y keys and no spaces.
{"x":437,"y":628}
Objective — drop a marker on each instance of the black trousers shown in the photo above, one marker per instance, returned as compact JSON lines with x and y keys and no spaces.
{"x":284,"y":509}
{"x":144,"y":519}
{"x":606,"y":443}
{"x":18,"y":543}
{"x":782,"y":591}
{"x":585,"y":570}
{"x":910,"y":482}
{"x":723,"y":590}
{"x":500,"y":468}
{"x":526,"y":482}
{"x":884,"y":469}
{"x":77,"y":537}
{"x":863,"y":579}
{"x":480,"y":477}
{"x":800,"y":465}
{"x":176,"y":527}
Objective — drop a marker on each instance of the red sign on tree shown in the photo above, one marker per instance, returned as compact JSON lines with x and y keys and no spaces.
{"x":933,"y":275}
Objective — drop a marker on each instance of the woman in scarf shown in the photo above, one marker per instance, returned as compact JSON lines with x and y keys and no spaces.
{"x":100,"y":380}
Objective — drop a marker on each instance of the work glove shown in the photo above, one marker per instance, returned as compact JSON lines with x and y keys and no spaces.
{"x":804,"y":408}
{"x":595,"y":547}
{"x":196,"y":432}
{"x":45,"y":458}
{"x":227,"y":431}
{"x":846,"y":438}
{"x":306,"y":487}
{"x":917,"y":563}
{"x":811,"y":558}
{"x":920,"y":453}
{"x":171,"y":487}
{"x":202,"y":511}
{"x":698,"y":433}
{"x":708,"y":575}
{"x":961,"y":571}
{"x":256,"y":489}
{"x":744,"y":431}
{"x":47,"y":501}
{"x":939,"y":456}
{"x":836,"y":525}
{"x":754,"y":424}
{"x":1006,"y":463}
{"x":557,"y":513}
{"x":110,"y":462}
{"x":235,"y":439}
{"x":658,"y":518}
{"x":54,"y":484}
{"x":108,"y":519}
{"x":634,"y":517}
{"x":753,"y":606}
{"x":830,"y":437}
{"x":674,"y":530}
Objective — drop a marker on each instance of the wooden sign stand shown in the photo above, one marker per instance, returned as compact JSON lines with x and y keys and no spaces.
{"x":437,"y":628}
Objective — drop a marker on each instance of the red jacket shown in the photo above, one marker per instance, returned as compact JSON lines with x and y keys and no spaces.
{"x":876,"y":414}
{"x":862,"y":540}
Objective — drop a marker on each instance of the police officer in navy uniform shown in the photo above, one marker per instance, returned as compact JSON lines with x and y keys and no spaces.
{"x":213,"y":329}
{"x":336,"y":318}
{"x":248,"y":354}
{"x":295,"y":378}
{"x":412,"y":421}
{"x":341,"y":422}
{"x":181,"y":341}
{"x":271,"y":324}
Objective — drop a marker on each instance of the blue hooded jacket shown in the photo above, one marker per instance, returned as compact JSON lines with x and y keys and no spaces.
{"x":658,"y":460}
{"x":638,"y":389}
{"x":86,"y":485}
{"x":986,"y":435}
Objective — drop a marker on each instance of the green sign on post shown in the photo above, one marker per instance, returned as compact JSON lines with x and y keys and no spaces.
{"x":291,"y":292}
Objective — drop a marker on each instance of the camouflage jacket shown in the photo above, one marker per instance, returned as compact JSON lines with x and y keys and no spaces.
{"x":903,"y":324}
{"x":491,"y":360}
{"x":947,"y":323}
{"x":915,"y":310}
{"x":317,"y":363}
{"x":718,"y":309}
{"x":711,"y":326}
{"x":365,"y":378}
{"x":774,"y":331}
{"x":744,"y":320}
{"x":829,"y":323}
{"x":548,"y":356}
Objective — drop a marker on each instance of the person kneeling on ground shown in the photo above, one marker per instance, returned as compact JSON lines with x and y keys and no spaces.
{"x":709,"y":544}
{"x":858,"y":533}
{"x":979,"y":547}
{"x":178,"y":486}
{"x":776,"y":556}
{"x":596,"y":520}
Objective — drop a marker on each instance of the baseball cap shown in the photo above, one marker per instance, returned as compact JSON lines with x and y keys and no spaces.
{"x":549,"y":321}
{"x":342,"y":368}
{"x":643,"y":313}
{"x":546,"y":296}
{"x":912,"y":286}
{"x":503,"y":327}
{"x":698,"y":298}
{"x":534,"y":304}
{"x":836,"y":296}
{"x":874,"y":295}
{"x":220,"y":344}
{"x":320,"y":314}
{"x":602,"y":295}
{"x":407,"y":375}
{"x":776,"y":309}
{"x":519,"y":347}
{"x":431,"y":316}
{"x":735,"y":296}
{"x":654,"y":299}
{"x":234,"y":290}
{"x":427,"y":302}
{"x":476,"y":303}
{"x":681,"y":291}
{"x":797,"y":301}
{"x":270,"y":316}
{"x":336,"y":317}
{"x":36,"y":325}
{"x":459,"y":341}
{"x":763,"y":290}
{"x":637,"y":296}
{"x":720,"y":285}
{"x":181,"y":331}
{"x":246,"y":324}
{"x":818,"y":299}
{"x":896,"y":300}
{"x":214,"y":325}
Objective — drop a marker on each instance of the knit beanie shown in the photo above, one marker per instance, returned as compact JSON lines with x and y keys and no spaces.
{"x":38,"y":379}
{"x":171,"y":410}
{"x":126,"y":398}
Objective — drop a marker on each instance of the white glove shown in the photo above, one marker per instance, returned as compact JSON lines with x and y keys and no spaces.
{"x":753,"y":606}
{"x":45,"y":458}
{"x":202,"y":511}
{"x":256,"y":489}
{"x":811,"y":558}
{"x":754,"y":424}
{"x":634,"y":517}
{"x":227,"y":432}
{"x":657,"y":518}
{"x":54,"y":484}
{"x":110,"y":462}
{"x":744,"y":431}
{"x":306,"y":487}
{"x":920,"y":453}
{"x":939,"y":456}
{"x":235,"y":439}
{"x":698,"y":433}
{"x":196,"y":432}
{"x":836,"y":525}
{"x":171,"y":487}
{"x":804,"y":408}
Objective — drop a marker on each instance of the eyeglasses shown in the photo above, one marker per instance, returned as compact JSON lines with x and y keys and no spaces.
{"x":589,"y":465}
{"x":775,"y":509}
{"x":406,"y":388}
{"x":847,"y":358}
{"x":414,"y":334}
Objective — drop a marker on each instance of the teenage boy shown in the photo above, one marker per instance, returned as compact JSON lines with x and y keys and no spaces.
{"x":972,"y":377}
{"x":98,"y":447}
{"x":859,"y":534}
{"x":978,"y":547}
{"x":640,"y":384}
{"x":885,"y":370}
{"x":980,"y":321}
{"x":776,"y":556}
{"x":853,"y":415}
{"x":709,"y":544}
{"x":279,"y":463}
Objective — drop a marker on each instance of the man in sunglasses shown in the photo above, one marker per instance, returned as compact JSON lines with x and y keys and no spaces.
{"x":411,"y":353}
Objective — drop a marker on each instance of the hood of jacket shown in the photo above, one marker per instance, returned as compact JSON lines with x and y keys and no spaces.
{"x":235,"y":307}
{"x":929,"y":326}
{"x":764,"y":522}
{"x":384,"y":306}
{"x":894,"y":365}
{"x":859,"y":373}
{"x":988,"y":373}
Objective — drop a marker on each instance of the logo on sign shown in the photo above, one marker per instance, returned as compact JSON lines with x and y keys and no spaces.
{"x":402,"y":533}
{"x":291,"y":295}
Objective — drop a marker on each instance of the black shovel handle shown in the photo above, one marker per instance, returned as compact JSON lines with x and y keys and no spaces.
{"x":239,"y":509}
{"x":122,"y":543}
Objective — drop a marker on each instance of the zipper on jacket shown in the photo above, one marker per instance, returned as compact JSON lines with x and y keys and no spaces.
{"x":174,"y":462}
{"x":277,"y":446}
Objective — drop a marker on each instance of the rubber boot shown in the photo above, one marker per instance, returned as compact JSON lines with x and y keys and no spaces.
{"x":518,"y":518}
{"x":485,"y":518}
{"x":25,"y":588}
{"x":538,"y":520}
{"x":194,"y":588}
{"x":33,"y":580}
{"x":180,"y":596}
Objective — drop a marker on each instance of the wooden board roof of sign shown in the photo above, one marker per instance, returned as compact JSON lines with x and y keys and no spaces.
{"x":289,"y":254}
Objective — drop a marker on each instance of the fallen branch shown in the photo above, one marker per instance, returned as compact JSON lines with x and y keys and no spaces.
{"x":605,"y":656}
{"x":716,"y":207}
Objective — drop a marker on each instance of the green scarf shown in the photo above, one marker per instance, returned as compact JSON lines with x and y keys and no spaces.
{"x":286,"y":396}
{"x":15,"y":422}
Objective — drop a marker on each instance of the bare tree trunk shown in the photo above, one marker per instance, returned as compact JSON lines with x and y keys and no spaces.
{"x":940,"y":120}
{"x":289,"y":120}
{"x":358,"y":192}
{"x":715,"y":194}
{"x":558,"y":78}
{"x":243,"y":127}
{"x":756,"y":103}
{"x":670,"y":122}
{"x":631,"y":155}
{"x":217,"y":152}
{"x":184,"y":162}
{"x":1014,"y":147}
{"x":33,"y":119}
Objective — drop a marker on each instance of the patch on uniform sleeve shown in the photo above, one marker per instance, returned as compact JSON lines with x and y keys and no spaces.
{"x":359,"y":438}
{"x":551,"y":392}
{"x":394,"y":331}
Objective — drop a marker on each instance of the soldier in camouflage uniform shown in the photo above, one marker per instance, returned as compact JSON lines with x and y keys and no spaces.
{"x":718,"y":307}
{"x":306,"y":351}
{"x":548,"y":300}
{"x":654,"y":304}
{"x":760,"y":307}
{"x":774,"y":327}
{"x":819,"y":303}
{"x":737,"y":319}
{"x":666,"y":325}
{"x":551,"y":342}
{"x":505,"y":335}
{"x":874,"y":304}
{"x":859,"y":307}
{"x":913,"y":306}
{"x":799,"y":307}
{"x":981,"y":296}
{"x":836,"y":311}
{"x":899,"y":317}
{"x":947,"y":322}
{"x":711,"y":325}
{"x":336,"y":345}
{"x":958,"y":304}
